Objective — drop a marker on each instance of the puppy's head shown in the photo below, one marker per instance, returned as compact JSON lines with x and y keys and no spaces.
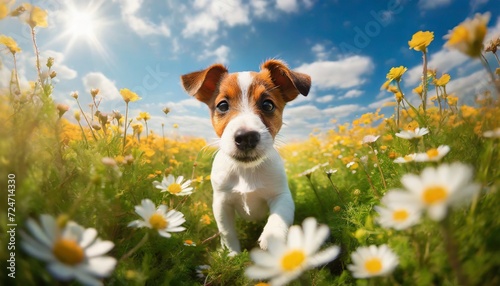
{"x":247,"y":107}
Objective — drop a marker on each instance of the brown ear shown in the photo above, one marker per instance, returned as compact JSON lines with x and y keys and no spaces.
{"x":291,"y":83}
{"x":203,"y":84}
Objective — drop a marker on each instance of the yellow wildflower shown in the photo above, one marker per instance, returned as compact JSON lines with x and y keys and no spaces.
{"x":392,"y":89}
{"x":175,"y":125}
{"x":389,"y":104}
{"x":452,"y":100}
{"x":396,"y":73}
{"x":421,"y":40}
{"x":129,"y":95}
{"x":36,"y":16}
{"x":5,"y":8}
{"x":10,"y":43}
{"x":137,"y":127}
{"x":399,"y":96}
{"x":94,"y":92}
{"x":144,"y":116}
{"x":412,"y":126}
{"x":77,"y":115}
{"x":442,"y":81}
{"x":434,"y":98}
{"x":468,"y":111}
{"x":469,"y":35}
{"x":387,"y":137}
{"x":418,"y":90}
{"x":205,"y":219}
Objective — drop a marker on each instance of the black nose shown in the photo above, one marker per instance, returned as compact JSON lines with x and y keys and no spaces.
{"x":246,"y":140}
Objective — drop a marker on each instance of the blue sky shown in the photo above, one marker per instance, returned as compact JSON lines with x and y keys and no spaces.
{"x":346,"y":46}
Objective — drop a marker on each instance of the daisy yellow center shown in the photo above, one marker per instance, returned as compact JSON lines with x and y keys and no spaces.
{"x":434,"y":194}
{"x":158,"y":221}
{"x":373,"y":265}
{"x":292,"y":260}
{"x":408,"y":158}
{"x":400,"y":215}
{"x":432,"y":153}
{"x":174,"y":188}
{"x":68,"y":251}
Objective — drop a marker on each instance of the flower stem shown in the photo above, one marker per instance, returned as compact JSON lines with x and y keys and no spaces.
{"x":492,"y":76}
{"x":125,"y":128}
{"x":380,"y":170}
{"x":424,"y":81}
{"x":83,"y":134}
{"x":133,"y":250}
{"x":375,"y":192}
{"x":37,"y":54}
{"x":452,"y":252}
{"x":336,"y":190}
{"x":323,"y":208}
{"x":86,"y":119}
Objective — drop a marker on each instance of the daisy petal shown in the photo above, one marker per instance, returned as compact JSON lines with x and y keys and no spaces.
{"x":61,"y":271}
{"x":102,"y":266}
{"x":88,"y":237}
{"x":99,"y":248}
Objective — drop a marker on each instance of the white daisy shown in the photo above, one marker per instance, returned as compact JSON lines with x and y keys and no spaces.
{"x":399,"y":210}
{"x":370,"y":138}
{"x":284,"y":261}
{"x":72,"y":252}
{"x":174,"y":186}
{"x":408,"y":134}
{"x":406,"y":159}
{"x":158,"y":218}
{"x":438,"y":188}
{"x":372,"y":261}
{"x":495,"y":133}
{"x":202,"y":270}
{"x":433,"y":155}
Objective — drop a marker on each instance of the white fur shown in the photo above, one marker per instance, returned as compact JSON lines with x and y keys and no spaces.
{"x":250,"y":189}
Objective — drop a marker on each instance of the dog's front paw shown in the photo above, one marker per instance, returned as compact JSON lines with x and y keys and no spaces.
{"x":268,"y":232}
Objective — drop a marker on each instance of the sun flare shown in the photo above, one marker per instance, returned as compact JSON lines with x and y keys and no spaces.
{"x":83,"y":25}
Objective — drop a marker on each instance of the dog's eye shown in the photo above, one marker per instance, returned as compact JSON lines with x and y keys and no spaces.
{"x":223,"y":106}
{"x":268,"y":106}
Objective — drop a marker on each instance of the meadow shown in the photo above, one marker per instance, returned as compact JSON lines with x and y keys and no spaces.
{"x":101,"y":199}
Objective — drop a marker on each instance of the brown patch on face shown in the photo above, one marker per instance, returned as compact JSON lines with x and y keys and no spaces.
{"x":229,"y":91}
{"x":263,"y":89}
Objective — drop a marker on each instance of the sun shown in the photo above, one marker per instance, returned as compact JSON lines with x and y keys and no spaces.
{"x":83,"y":26}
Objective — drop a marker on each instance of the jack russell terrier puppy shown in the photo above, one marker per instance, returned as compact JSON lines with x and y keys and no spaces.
{"x":248,"y":174}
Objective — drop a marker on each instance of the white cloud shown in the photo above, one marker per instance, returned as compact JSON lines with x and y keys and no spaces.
{"x":184,"y":106}
{"x":107,"y":88}
{"x":342,"y":110}
{"x":287,"y":5}
{"x":432,"y":4}
{"x":325,"y":98}
{"x":298,"y":112}
{"x":141,"y":26}
{"x":380,"y":103}
{"x":320,"y":51}
{"x":210,"y":14}
{"x":260,"y":7}
{"x":220,"y":54}
{"x":470,"y":85}
{"x":343,"y":73}
{"x":353,"y":93}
